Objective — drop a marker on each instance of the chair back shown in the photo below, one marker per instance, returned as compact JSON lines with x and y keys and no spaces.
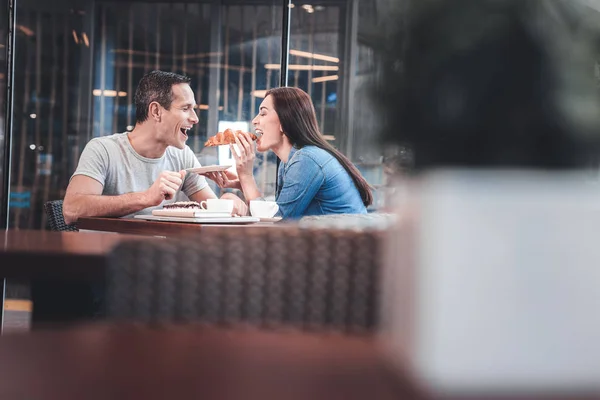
{"x":272,"y":276}
{"x":56,"y":220}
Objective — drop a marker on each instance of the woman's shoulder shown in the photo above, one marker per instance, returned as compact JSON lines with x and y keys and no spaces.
{"x":314,"y":153}
{"x":311,"y":149}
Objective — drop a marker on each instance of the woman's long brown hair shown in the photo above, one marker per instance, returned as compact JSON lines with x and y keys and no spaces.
{"x":299,"y":123}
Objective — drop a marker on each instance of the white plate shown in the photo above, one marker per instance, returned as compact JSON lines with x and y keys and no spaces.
{"x":201,"y":220}
{"x":189,"y":213}
{"x":209,"y":168}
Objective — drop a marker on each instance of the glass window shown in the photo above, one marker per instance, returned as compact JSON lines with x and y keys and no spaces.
{"x":332,"y":58}
{"x":3,"y":100}
{"x":78,"y":64}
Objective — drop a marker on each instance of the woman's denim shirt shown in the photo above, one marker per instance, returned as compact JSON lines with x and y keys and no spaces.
{"x":313,"y":182}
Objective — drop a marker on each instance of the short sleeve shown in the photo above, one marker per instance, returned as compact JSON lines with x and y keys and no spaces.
{"x":93,"y":161}
{"x":193,"y":182}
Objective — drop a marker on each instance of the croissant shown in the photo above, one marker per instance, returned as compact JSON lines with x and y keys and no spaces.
{"x":227,"y":137}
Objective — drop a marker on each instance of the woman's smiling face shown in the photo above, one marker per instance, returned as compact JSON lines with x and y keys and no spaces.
{"x":267,"y":126}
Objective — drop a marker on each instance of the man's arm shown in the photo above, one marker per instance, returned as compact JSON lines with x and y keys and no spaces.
{"x":203,"y":194}
{"x":84,"y":197}
{"x":239,"y":207}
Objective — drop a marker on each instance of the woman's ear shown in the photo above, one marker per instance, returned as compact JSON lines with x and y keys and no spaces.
{"x":155,"y":111}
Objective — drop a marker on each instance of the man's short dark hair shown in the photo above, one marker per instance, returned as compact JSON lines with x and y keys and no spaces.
{"x":156,"y":86}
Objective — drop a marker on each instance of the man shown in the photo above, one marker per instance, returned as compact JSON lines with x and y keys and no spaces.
{"x":134,"y":172}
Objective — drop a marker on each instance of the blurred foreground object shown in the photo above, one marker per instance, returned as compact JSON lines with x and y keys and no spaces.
{"x":309,"y":278}
{"x":488,"y":83}
{"x":185,"y":361}
{"x":493,"y":288}
{"x":491,"y":275}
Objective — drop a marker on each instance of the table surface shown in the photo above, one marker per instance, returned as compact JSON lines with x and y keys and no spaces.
{"x":31,"y":254}
{"x":155,"y":228}
{"x":195,"y":361}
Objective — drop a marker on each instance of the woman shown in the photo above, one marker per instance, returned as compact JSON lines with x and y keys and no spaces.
{"x":313,"y":177}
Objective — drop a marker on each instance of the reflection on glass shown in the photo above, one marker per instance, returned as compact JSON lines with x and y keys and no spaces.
{"x":3,"y":49}
{"x":77,"y":70}
{"x":332,"y":59}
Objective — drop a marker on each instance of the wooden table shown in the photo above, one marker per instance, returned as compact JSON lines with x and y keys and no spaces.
{"x":194,"y":361}
{"x":154,"y":228}
{"x":28,"y":255}
{"x":137,"y":226}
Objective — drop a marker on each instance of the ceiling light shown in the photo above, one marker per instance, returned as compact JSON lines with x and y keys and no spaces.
{"x":310,"y":10}
{"x":301,"y":67}
{"x":291,"y":5}
{"x":32,"y":146}
{"x":299,"y":53}
{"x":33,"y":116}
{"x":331,"y":138}
{"x":85,"y":39}
{"x":325,"y":78}
{"x":108,"y":93}
{"x":307,"y":6}
{"x":25,"y":30}
{"x":75,"y":38}
{"x":259,"y":93}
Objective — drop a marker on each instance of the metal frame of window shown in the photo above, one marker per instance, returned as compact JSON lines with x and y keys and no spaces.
{"x":285,"y":41}
{"x":10,"y":64}
{"x":285,"y":57}
{"x":349,"y":55}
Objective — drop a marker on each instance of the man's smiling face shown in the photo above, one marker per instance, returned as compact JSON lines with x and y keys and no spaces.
{"x":179,"y":118}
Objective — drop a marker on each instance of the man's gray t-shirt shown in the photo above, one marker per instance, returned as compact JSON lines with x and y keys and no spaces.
{"x":112,"y":161}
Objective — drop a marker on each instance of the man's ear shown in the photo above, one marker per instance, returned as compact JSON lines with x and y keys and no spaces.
{"x":155,"y":111}
{"x":280,"y":128}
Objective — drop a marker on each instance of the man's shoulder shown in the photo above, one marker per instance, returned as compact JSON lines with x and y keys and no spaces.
{"x":110,"y":140}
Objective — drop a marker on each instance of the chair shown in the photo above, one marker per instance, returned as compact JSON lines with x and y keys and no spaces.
{"x":267,"y":277}
{"x":56,"y":220}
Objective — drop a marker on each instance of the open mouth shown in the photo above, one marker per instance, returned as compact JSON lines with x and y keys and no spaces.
{"x":184,"y":131}
{"x":259,"y":135}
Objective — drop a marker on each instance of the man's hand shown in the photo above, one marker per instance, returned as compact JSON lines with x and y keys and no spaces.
{"x":165,"y":187}
{"x":239,"y":207}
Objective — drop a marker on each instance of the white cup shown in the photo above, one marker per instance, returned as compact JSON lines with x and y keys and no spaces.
{"x":217,"y":205}
{"x":263,"y":209}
